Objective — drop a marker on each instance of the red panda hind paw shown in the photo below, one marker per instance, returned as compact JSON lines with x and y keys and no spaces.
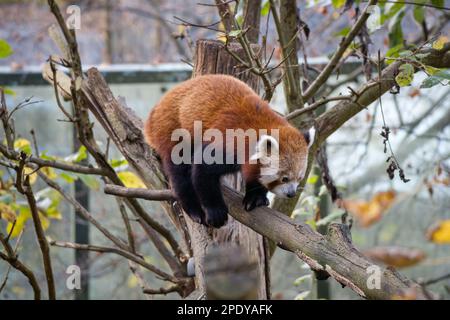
{"x":216,"y":217}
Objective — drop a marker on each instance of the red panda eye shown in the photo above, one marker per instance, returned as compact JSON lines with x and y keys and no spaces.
{"x":284,"y":179}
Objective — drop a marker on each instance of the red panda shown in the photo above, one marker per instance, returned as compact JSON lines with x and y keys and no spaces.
{"x":222,"y":103}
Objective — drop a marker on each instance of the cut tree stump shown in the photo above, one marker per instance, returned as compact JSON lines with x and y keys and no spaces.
{"x":212,"y":58}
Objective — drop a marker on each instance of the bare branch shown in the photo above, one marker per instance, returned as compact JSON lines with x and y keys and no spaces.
{"x":126,"y":254}
{"x":41,"y":163}
{"x":154,"y":195}
{"x":45,"y":250}
{"x":346,"y":41}
{"x":83,"y":212}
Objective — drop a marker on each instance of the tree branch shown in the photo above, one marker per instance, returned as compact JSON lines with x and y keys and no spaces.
{"x":126,"y":254}
{"x":40,"y":234}
{"x":333,"y":254}
{"x":331,"y":65}
{"x":153,"y":195}
{"x":12,"y":258}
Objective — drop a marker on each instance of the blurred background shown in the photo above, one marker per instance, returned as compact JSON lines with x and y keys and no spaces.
{"x":143,"y":50}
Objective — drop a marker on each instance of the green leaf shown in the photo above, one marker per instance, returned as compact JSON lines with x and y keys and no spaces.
{"x":430,"y":82}
{"x":69,"y":178}
{"x":302,"y":279}
{"x":78,"y":156}
{"x":394,"y":51}
{"x":342,"y":33}
{"x":422,"y":55}
{"x":302,"y":295}
{"x":312,"y":224}
{"x":431,"y":70}
{"x":443,"y":74}
{"x":312,"y":179}
{"x":8,"y":91}
{"x":5,"y":49}
{"x":115,"y":163}
{"x":90,"y":181}
{"x":405,"y":76}
{"x":419,"y":14}
{"x":438,"y":3}
{"x":392,"y":11}
{"x":437,"y":77}
{"x":337,"y":3}
{"x":45,"y":156}
{"x":406,"y":53}
{"x":265,"y":8}
{"x":395,"y":30}
{"x":234,"y":33}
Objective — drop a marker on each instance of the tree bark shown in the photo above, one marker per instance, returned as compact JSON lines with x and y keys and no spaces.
{"x":212,"y":58}
{"x":252,"y":19}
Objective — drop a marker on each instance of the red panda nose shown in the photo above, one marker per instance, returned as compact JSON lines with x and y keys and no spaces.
{"x":291,"y":194}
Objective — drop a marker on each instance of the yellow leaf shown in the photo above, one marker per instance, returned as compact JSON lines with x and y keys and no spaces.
{"x":44,"y":221}
{"x":440,"y":42}
{"x":18,"y":291}
{"x":21,"y":220}
{"x":130,"y":180}
{"x":49,"y":173}
{"x":440,"y":233}
{"x":222,"y":37}
{"x":53,"y":213}
{"x":28,"y":172}
{"x":7,"y":213}
{"x":22,"y":145}
{"x":181,"y":29}
{"x":132,"y":281}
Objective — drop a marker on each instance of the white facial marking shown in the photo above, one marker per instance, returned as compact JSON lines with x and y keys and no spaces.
{"x":285,"y":189}
{"x":312,"y":135}
{"x":261,"y":149}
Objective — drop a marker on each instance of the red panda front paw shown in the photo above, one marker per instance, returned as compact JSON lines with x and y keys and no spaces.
{"x":253,"y":200}
{"x":216,"y":217}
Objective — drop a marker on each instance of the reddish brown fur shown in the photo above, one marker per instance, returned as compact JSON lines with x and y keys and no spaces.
{"x":221,"y":102}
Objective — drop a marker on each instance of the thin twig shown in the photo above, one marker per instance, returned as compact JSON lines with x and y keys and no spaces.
{"x":45,"y":250}
{"x":79,"y":209}
{"x":346,"y":41}
{"x":314,"y":106}
{"x":123,"y":253}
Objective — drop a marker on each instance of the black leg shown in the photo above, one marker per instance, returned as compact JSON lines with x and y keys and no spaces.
{"x":255,"y":196}
{"x":180,"y":179}
{"x":206,"y":181}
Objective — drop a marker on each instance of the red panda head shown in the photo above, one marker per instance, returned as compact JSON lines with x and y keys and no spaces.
{"x":283,"y":159}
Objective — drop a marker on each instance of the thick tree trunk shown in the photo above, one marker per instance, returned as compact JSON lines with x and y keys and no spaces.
{"x":212,"y":58}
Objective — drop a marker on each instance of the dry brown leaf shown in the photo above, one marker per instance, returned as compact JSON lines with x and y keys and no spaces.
{"x":7,"y":213}
{"x":409,"y":294}
{"x":398,"y":257}
{"x":369,"y":212}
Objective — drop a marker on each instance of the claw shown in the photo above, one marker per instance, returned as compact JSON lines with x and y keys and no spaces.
{"x":253,"y":200}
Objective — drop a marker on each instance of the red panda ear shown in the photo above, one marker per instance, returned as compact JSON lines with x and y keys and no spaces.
{"x":309,"y":136}
{"x":265,"y":146}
